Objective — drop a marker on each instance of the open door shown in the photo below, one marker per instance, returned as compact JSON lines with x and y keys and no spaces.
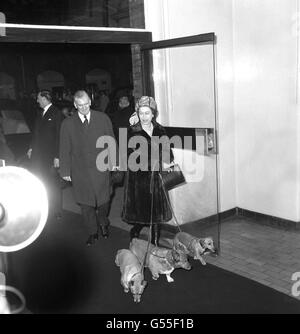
{"x":180,"y":74}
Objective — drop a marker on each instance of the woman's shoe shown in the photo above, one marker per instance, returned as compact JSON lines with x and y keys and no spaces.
{"x":91,"y":239}
{"x":135,"y":231}
{"x":104,"y":231}
{"x":155,"y":234}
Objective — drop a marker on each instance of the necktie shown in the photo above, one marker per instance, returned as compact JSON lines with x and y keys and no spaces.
{"x":86,"y":122}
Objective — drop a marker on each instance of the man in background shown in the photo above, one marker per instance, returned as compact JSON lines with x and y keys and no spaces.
{"x":120,"y":118}
{"x":44,"y":150}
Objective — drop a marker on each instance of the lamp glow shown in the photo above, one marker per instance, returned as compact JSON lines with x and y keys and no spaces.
{"x":23,"y":208}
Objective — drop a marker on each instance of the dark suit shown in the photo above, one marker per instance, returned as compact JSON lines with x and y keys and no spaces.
{"x":45,"y":147}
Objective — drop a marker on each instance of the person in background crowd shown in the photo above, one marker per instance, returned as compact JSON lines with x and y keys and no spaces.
{"x":67,"y":111}
{"x":27,"y":105}
{"x":120,"y":118}
{"x":67,"y":95}
{"x":44,"y":150}
{"x":104,"y":100}
{"x":101,"y":101}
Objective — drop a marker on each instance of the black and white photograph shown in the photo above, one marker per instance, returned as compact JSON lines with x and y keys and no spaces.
{"x":149,"y":159}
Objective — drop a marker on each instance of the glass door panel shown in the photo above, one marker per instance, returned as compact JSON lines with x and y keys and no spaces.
{"x":181,"y":75}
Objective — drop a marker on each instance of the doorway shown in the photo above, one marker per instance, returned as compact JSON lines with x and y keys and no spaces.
{"x":201,"y":134}
{"x":159,"y":61}
{"x":180,"y":73}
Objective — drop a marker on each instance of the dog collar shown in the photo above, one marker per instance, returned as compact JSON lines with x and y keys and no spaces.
{"x":138,"y":272}
{"x":168,"y":257}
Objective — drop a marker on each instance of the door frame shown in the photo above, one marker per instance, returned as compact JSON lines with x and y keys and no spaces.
{"x":148,"y":84}
{"x":67,"y":34}
{"x":147,"y":62}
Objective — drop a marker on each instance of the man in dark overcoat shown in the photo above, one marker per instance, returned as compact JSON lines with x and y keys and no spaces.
{"x":78,"y":163}
{"x":44,"y":150}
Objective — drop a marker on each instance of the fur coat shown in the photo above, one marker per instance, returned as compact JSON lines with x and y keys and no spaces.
{"x":137,"y":195}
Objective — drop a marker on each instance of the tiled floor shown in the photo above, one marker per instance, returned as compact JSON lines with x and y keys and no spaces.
{"x":265,"y":254}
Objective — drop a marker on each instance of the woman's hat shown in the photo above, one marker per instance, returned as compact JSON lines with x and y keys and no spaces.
{"x":146,"y":101}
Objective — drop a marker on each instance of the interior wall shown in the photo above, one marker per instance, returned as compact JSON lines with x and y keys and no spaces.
{"x":170,"y":19}
{"x":265,"y":66}
{"x":256,"y":58}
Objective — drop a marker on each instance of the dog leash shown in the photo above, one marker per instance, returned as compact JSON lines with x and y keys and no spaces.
{"x":151,"y":213}
{"x":151,"y":220}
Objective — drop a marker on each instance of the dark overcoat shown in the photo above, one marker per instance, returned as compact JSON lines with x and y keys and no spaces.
{"x":137,"y":195}
{"x":5,"y":152}
{"x":78,"y":157}
{"x":45,"y":141}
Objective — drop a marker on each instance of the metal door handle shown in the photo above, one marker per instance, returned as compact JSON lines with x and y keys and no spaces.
{"x":210,"y":141}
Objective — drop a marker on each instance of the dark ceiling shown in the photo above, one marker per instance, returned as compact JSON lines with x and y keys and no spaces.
{"x":33,"y":11}
{"x":24,"y":61}
{"x":99,"y":13}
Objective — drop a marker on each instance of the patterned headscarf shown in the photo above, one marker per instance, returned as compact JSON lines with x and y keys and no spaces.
{"x":145,"y":101}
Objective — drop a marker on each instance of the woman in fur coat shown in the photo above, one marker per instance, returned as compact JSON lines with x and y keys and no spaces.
{"x":144,"y":161}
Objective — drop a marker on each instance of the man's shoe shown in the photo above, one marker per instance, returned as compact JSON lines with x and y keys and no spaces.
{"x":58,"y":216}
{"x":104,"y":231}
{"x":91,"y":239}
{"x":155,"y":234}
{"x":134,"y":234}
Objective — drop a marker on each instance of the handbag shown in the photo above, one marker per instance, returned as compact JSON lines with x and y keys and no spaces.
{"x":172,"y":177}
{"x":117,"y":177}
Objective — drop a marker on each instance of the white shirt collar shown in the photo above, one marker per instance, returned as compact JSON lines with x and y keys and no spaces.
{"x":88,"y":116}
{"x":46,"y":108}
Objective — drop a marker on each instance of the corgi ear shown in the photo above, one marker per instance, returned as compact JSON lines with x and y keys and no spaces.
{"x":180,"y":247}
{"x":176,"y":255}
{"x":209,"y":241}
{"x":202,"y":244}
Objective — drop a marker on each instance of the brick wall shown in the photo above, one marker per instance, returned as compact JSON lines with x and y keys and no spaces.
{"x":137,"y":20}
{"x":137,"y":71}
